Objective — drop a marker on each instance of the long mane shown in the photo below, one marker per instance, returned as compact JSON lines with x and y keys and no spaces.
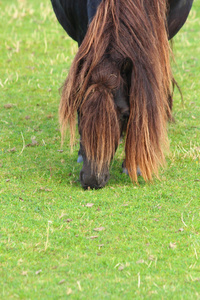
{"x":121,"y":30}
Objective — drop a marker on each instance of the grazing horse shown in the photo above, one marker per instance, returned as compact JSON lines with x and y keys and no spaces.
{"x":120,"y":82}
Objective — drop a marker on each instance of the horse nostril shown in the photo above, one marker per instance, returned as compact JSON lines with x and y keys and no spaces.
{"x":106,"y":178}
{"x":101,"y":182}
{"x":82,"y":176}
{"x":93,"y":181}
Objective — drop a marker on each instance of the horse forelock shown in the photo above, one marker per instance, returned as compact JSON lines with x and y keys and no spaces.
{"x":121,"y":30}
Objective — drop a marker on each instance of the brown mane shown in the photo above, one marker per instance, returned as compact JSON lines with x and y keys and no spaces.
{"x":120,"y":30}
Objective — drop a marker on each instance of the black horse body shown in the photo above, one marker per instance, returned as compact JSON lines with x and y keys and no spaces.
{"x":75,"y":17}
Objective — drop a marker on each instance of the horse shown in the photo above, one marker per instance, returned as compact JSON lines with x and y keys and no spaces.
{"x":120,"y":82}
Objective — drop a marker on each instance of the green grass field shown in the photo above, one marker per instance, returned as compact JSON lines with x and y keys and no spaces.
{"x":59,"y":241}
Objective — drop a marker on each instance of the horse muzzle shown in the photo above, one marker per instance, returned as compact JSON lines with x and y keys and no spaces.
{"x":93,"y":181}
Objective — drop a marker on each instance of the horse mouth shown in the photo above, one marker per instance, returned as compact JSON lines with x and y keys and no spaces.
{"x":91,"y":181}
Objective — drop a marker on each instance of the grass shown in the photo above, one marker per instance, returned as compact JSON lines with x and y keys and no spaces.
{"x":59,"y":241}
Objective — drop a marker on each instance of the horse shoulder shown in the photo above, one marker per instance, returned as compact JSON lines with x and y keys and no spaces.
{"x":72,"y":15}
{"x":177,"y":15}
{"x":92,"y":6}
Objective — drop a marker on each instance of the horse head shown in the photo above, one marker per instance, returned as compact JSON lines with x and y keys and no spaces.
{"x":103,"y":117}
